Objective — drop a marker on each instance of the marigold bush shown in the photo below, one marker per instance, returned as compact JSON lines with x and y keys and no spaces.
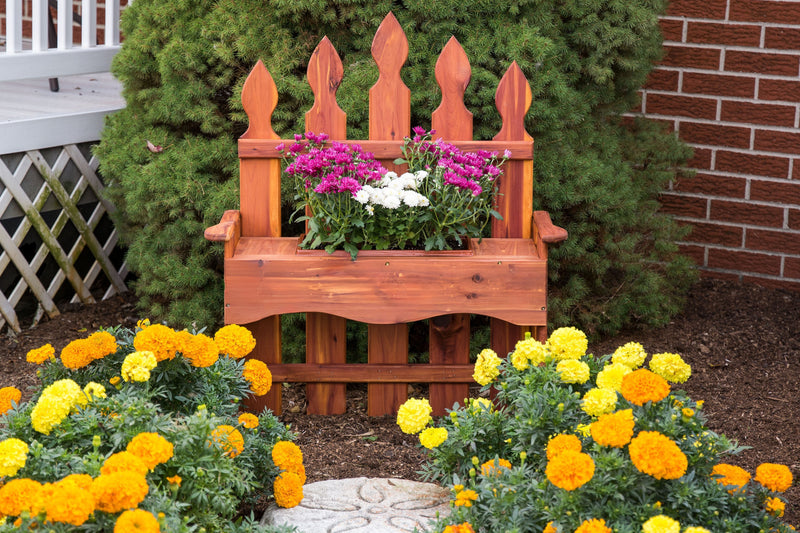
{"x":140,"y":430}
{"x":577,"y":457}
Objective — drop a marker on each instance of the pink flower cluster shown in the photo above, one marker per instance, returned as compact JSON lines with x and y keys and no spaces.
{"x":328,"y":170}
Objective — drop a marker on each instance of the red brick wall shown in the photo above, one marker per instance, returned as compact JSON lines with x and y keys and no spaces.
{"x":729,"y":85}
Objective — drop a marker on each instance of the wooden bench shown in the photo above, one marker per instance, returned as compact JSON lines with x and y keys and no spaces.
{"x":503,"y":277}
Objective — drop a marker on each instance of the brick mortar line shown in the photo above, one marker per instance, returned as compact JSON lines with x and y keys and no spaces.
{"x":733,"y":73}
{"x":727,"y":22}
{"x":761,"y":203}
{"x":742,"y":151}
{"x":729,"y":249}
{"x":732,"y":48}
{"x":747,"y":273}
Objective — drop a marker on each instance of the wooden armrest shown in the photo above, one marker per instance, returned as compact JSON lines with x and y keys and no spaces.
{"x":546,"y":230}
{"x":226,"y":229}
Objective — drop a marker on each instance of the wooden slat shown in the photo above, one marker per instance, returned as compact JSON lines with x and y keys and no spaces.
{"x":364,"y":373}
{"x":326,"y":335}
{"x":267,"y":148}
{"x":449,"y":334}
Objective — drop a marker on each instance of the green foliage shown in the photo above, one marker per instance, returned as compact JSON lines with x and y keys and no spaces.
{"x":536,"y":403}
{"x":184,"y":63}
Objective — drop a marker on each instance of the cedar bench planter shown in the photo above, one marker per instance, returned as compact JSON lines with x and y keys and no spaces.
{"x":503,"y":277}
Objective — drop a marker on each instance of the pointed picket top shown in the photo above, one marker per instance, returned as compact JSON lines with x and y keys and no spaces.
{"x":389,"y":98}
{"x":259,"y":98}
{"x":513,"y":99}
{"x":325,"y":74}
{"x":452,"y":120}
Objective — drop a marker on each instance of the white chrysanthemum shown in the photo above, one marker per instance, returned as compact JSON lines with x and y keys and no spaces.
{"x":391,"y":200}
{"x":362,"y":196}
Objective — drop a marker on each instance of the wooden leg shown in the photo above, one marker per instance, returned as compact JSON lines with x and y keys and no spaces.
{"x":267,"y":333}
{"x":387,"y":344}
{"x":449,"y":344}
{"x":326,"y":342}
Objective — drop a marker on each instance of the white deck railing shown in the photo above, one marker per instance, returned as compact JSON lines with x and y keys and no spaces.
{"x":30,"y":56}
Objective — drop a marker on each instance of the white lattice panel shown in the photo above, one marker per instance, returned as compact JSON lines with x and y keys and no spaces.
{"x":33,"y":183}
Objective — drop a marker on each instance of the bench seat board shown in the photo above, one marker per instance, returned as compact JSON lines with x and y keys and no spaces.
{"x":500,"y":278}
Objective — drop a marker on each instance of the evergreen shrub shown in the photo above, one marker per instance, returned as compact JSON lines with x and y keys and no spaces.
{"x":184,"y":62}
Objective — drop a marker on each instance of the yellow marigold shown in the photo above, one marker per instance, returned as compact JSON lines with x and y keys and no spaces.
{"x":235,"y":341}
{"x":159,"y":339}
{"x":696,"y":529}
{"x":414,"y":415}
{"x":775,"y":477}
{"x":687,"y":412}
{"x":520,"y":361}
{"x":570,"y":469}
{"x":94,"y":390}
{"x":258,"y":375}
{"x":655,"y":454}
{"x":123,"y":462}
{"x":200,"y":349}
{"x":631,"y":355}
{"x":142,"y":323}
{"x":567,"y":343}
{"x":248,"y":420}
{"x":465,"y":497}
{"x":611,"y":376}
{"x":54,"y":404}
{"x":69,"y":503}
{"x":775,"y":506}
{"x":137,"y":366}
{"x":671,"y":367}
{"x":18,"y":495}
{"x":286,"y":454}
{"x":573,"y":371}
{"x":8,"y":397}
{"x":730,"y":475}
{"x":614,"y":429}
{"x":103,"y":344}
{"x":476,"y":405}
{"x":463,"y":527}
{"x":593,"y":525}
{"x":13,"y":455}
{"x":661,"y":524}
{"x":531,"y":349}
{"x":39,"y":355}
{"x":288,"y":490}
{"x":549,"y":528}
{"x":137,"y":521}
{"x":599,"y":401}
{"x":561,"y":443}
{"x":642,"y":386}
{"x":493,"y":467}
{"x":487,"y":367}
{"x":229,"y":439}
{"x":77,"y":354}
{"x":585,"y":430}
{"x":432,"y":437}
{"x":119,"y":491}
{"x":151,"y":448}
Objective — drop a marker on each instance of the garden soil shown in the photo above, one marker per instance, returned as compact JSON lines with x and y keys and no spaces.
{"x":742,"y":341}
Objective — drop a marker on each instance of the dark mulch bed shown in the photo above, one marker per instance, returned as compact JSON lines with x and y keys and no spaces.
{"x":743,"y":342}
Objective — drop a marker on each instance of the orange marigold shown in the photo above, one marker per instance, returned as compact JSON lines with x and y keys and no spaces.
{"x":124,"y":462}
{"x":614,"y":430}
{"x":492,"y":467}
{"x":229,"y":439}
{"x":137,"y":521}
{"x":593,"y":525}
{"x":159,"y":339}
{"x":258,"y":375}
{"x":151,"y":448}
{"x":463,"y":527}
{"x":69,"y":503}
{"x":39,"y":355}
{"x":775,"y":506}
{"x":7,"y":396}
{"x":248,"y":420}
{"x":731,"y":475}
{"x":235,"y":341}
{"x":288,"y":490}
{"x":775,"y":477}
{"x":200,"y":349}
{"x":561,"y":443}
{"x":465,"y":497}
{"x":103,"y":344}
{"x":657,"y":455}
{"x":570,"y":469}
{"x":18,"y":495}
{"x":77,"y":354}
{"x":286,"y":454}
{"x":84,"y":481}
{"x":119,"y":491}
{"x":642,"y":386}
{"x":549,"y":528}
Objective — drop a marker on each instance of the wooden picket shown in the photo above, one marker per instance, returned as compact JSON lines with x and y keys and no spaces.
{"x":265,"y":277}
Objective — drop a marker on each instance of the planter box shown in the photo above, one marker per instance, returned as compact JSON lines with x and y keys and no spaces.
{"x":500,"y":278}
